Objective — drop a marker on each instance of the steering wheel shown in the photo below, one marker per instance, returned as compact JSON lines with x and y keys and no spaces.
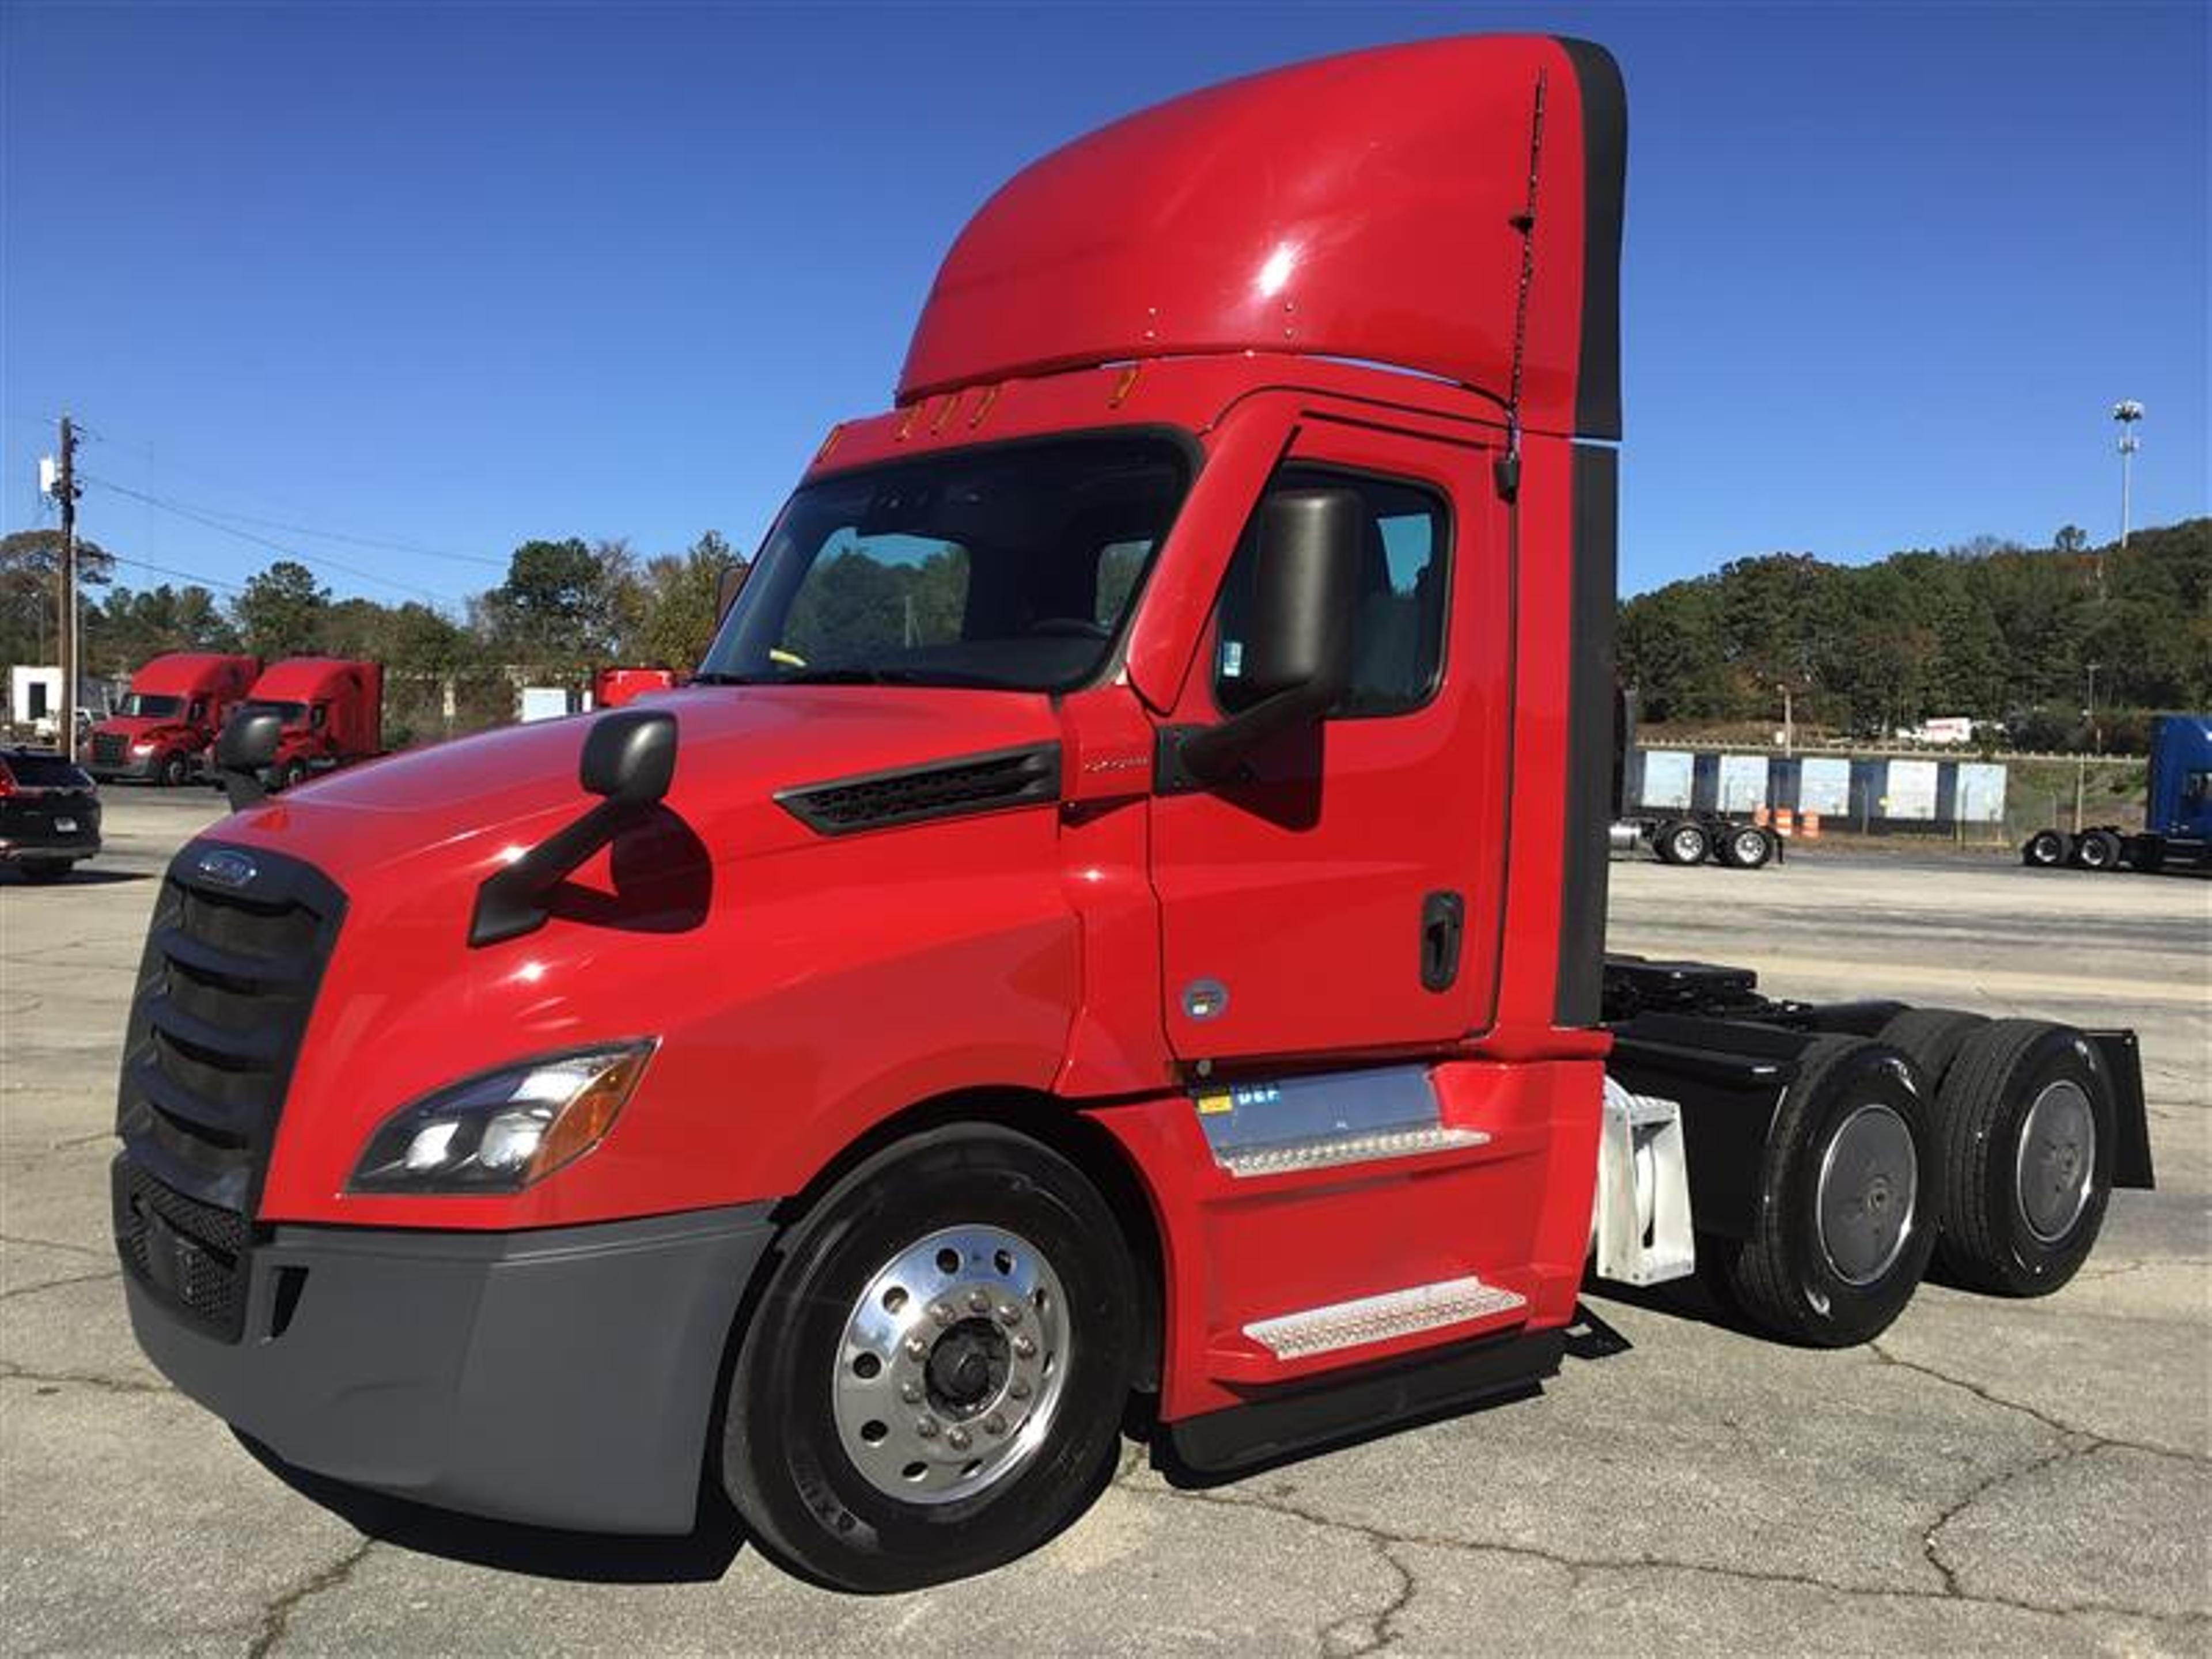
{"x":1068,"y":627}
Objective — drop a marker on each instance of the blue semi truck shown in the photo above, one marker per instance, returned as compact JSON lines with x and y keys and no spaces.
{"x":2177,"y":832}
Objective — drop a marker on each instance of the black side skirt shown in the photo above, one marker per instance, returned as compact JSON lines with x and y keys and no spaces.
{"x":1290,"y":1420}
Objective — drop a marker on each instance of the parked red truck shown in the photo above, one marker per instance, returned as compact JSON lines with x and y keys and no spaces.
{"x":331,"y":712}
{"x":618,"y":688}
{"x":176,"y":705}
{"x":1118,"y":918}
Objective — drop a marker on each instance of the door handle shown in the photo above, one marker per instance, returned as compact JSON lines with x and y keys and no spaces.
{"x":1444,"y":919}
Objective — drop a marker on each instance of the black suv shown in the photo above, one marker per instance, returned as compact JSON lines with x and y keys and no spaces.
{"x":49,"y":813}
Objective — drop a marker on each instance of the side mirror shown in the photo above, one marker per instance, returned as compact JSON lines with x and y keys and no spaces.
{"x":629,"y":757}
{"x":247,"y":742}
{"x":727,"y":586}
{"x":1299,"y":660}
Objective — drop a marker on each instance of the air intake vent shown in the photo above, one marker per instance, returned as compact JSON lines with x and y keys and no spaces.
{"x":940,"y":789}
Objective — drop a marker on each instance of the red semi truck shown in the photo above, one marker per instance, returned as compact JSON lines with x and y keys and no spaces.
{"x":618,"y":688}
{"x":176,"y":705}
{"x":330,"y":712}
{"x":1118,"y":920}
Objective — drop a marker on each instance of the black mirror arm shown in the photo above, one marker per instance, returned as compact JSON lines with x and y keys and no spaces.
{"x":511,"y":901}
{"x":1208,"y":757}
{"x":242,"y":787}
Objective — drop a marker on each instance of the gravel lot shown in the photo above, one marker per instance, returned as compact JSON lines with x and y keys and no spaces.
{"x":2027,"y":1476}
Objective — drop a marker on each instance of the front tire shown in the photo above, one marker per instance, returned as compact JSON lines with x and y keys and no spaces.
{"x":2032,"y":1127}
{"x":173,"y":771}
{"x":934,"y":1380}
{"x":1847,"y":1189}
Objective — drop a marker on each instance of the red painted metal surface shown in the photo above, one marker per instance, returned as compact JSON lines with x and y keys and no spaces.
{"x":1362,"y":206}
{"x":616,"y":688}
{"x":349,"y":695}
{"x":808,"y":990}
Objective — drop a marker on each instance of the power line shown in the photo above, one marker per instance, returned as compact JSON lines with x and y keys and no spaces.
{"x":184,"y":511}
{"x":182,"y":576}
{"x":385,"y":543}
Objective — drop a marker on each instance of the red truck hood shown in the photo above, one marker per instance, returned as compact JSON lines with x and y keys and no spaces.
{"x":737,"y":747}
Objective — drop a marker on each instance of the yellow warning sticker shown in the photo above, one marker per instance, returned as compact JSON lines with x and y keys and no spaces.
{"x":1209,"y":1104}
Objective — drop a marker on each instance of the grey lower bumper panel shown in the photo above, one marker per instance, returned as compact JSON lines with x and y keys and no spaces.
{"x":561,"y":1376}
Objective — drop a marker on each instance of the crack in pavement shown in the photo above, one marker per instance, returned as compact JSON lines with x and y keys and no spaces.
{"x":1363,"y":1633}
{"x":10,"y":1372}
{"x":2057,"y":1425}
{"x":59,"y":1284}
{"x":276,"y":1617}
{"x":53,"y":1244}
{"x":1385,"y":1542}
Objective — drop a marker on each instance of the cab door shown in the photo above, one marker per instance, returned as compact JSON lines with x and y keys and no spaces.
{"x":1345,"y":897}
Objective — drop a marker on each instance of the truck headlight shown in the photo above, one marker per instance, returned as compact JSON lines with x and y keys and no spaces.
{"x":501,"y":1131}
{"x":141,"y":748}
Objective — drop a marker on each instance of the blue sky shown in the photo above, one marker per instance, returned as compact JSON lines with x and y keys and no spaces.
{"x":454,"y":276}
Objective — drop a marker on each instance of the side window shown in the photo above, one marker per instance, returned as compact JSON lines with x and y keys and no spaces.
{"x":2197,"y":789}
{"x":316,"y":715}
{"x":198,"y":711}
{"x":1397,"y":636}
{"x":1120,"y":563}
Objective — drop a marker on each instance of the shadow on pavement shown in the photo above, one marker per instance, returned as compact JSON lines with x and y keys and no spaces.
{"x":81,"y":878}
{"x":699,"y":1556}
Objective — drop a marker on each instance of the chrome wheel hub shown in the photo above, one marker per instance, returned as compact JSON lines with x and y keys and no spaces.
{"x":952,"y":1364}
{"x":1869,"y":1189}
{"x":2056,"y":1160}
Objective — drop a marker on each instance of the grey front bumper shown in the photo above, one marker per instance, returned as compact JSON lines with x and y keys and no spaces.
{"x":563,"y":1376}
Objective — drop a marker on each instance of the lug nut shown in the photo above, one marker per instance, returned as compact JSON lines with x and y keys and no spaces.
{"x":940,"y":1313}
{"x":926,"y":1427}
{"x":994,"y":1423}
{"x":1023,"y":1346}
{"x":1020,"y":1388}
{"x":1009,"y":1314}
{"x":979,"y":1301}
{"x":916,"y":1348}
{"x":957,"y":1440}
{"x":911,"y":1393}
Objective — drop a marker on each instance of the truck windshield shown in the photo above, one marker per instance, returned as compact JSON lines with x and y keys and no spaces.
{"x":291,"y":712}
{"x":140,"y":706}
{"x":1009,"y":569}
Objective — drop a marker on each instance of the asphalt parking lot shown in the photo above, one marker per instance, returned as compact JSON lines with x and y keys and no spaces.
{"x":2024,"y":1476}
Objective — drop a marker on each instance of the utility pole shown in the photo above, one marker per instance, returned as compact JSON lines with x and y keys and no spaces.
{"x":65,"y":493}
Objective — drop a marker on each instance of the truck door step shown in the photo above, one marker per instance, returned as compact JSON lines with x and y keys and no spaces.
{"x":1363,"y":1148}
{"x":1384,"y":1318}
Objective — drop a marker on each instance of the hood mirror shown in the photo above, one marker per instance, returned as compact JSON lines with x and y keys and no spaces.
{"x":247,"y":743}
{"x":727,"y":586}
{"x":629,"y":759}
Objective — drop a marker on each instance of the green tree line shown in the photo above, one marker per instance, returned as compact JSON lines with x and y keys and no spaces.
{"x":1989,"y":630}
{"x":565,"y":607}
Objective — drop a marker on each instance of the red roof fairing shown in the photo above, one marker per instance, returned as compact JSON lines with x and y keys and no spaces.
{"x":1367,"y":206}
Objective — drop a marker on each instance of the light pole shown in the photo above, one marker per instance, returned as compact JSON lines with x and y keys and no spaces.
{"x":2127,"y":413}
{"x":2096,"y":738}
{"x":1789,"y":722}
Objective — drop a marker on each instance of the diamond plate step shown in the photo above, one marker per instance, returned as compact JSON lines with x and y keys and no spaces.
{"x":1380,"y":1318}
{"x":1246,"y":1162}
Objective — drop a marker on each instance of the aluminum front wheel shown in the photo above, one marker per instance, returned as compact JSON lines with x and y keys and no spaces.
{"x":2056,"y":1160}
{"x":1869,"y":1188}
{"x":951,"y":1364}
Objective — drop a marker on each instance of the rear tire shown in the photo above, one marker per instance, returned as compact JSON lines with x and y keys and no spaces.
{"x":1744,"y":846}
{"x":1681,"y":843}
{"x":2047,"y":849}
{"x":43,"y":871}
{"x":866,"y":1333}
{"x":2031,"y":1127}
{"x":1847,"y":1188}
{"x":1929,"y":1038}
{"x":2097,"y":850}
